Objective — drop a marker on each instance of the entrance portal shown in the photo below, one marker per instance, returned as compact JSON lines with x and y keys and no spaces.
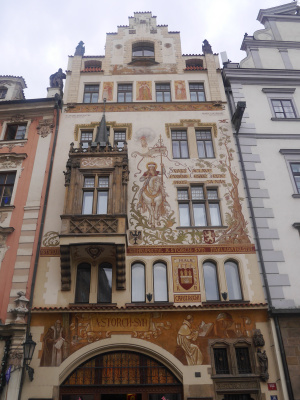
{"x":121,"y":375}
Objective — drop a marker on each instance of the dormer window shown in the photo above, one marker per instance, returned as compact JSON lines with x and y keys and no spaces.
{"x":143,"y":49}
{"x":194,"y":64}
{"x":3,"y":92}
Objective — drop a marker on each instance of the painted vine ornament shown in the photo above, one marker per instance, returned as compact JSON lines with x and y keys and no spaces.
{"x":150,"y":210}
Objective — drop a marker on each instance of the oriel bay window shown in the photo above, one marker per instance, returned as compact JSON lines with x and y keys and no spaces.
{"x":95,"y":194}
{"x":198,"y":206}
{"x":86,"y":275}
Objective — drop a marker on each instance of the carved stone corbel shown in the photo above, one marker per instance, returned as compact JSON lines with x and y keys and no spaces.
{"x":21,"y":309}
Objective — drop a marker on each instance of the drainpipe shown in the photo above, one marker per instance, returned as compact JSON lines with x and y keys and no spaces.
{"x":58,"y":106}
{"x":237,"y":120}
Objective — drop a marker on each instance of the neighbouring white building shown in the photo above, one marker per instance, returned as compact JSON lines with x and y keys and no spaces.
{"x":268,"y":81}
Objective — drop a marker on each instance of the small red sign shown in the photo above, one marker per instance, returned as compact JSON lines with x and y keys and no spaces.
{"x":272,"y":386}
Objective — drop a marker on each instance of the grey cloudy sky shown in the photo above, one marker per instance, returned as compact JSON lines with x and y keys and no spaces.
{"x":38,"y":35}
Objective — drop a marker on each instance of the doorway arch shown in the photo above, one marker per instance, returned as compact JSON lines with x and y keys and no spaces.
{"x":121,"y":375}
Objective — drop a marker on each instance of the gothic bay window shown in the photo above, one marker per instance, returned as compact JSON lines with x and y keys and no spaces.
{"x":138,"y":292}
{"x":124,"y":92}
{"x":179,"y":144}
{"x":221,"y":360}
{"x":197,"y":91}
{"x":233,"y":280}
{"x":104,"y":283}
{"x":83,"y":282}
{"x":204,"y":144}
{"x":295,"y":168}
{"x":95,"y":195}
{"x":160,"y":283}
{"x":163,"y":92}
{"x":15,"y":132}
{"x":91,"y":94}
{"x":7,"y":181}
{"x":211,"y":281}
{"x":283,"y":108}
{"x":198,"y":206}
{"x":243,"y":360}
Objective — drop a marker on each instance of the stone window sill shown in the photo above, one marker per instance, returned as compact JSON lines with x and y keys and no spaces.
{"x":285,"y":119}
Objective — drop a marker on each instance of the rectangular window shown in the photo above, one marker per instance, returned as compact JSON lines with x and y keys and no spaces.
{"x":163,"y":92}
{"x":221,"y":360}
{"x":7,"y":181}
{"x":86,"y":139}
{"x":95,"y":198}
{"x":295,"y":168}
{"x":180,"y":144}
{"x":243,"y":360}
{"x":120,"y":138}
{"x":204,"y":144}
{"x":124,"y":92}
{"x":3,"y":92}
{"x":91,"y":94}
{"x":198,"y":206}
{"x":15,"y":132}
{"x":197,"y":92}
{"x":283,"y":108}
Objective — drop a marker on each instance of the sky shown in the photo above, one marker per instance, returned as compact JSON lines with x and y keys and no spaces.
{"x":38,"y":35}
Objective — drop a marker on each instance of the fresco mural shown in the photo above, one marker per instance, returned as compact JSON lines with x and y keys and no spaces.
{"x":144,"y":90}
{"x":180,"y":92}
{"x":108,"y":88}
{"x":150,"y":210}
{"x":185,"y":335}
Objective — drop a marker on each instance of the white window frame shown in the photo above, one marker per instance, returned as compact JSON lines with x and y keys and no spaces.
{"x":5,"y":125}
{"x":281,"y":94}
{"x":291,"y":156}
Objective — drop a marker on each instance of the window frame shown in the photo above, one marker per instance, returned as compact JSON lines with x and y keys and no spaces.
{"x":6,"y":127}
{"x":104,"y":265}
{"x":3,"y":92}
{"x":206,"y":201}
{"x":291,"y":156}
{"x":143,"y":45}
{"x":137,"y":262}
{"x":163,"y":91}
{"x":95,"y":190}
{"x":9,"y":185}
{"x":197,"y":92}
{"x":88,"y":142}
{"x":230,"y":260}
{"x":281,"y":94}
{"x":85,"y":92}
{"x":174,"y":140}
{"x":216,"y":282}
{"x":294,"y":175}
{"x":79,"y":281}
{"x":223,"y":346}
{"x":117,"y":142}
{"x":125,"y":92}
{"x":166,"y":277}
{"x":205,"y":141}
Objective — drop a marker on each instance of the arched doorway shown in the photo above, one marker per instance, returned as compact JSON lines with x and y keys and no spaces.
{"x":121,"y":375}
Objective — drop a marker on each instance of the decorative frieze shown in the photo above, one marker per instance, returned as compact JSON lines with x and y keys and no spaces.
{"x":99,"y":225}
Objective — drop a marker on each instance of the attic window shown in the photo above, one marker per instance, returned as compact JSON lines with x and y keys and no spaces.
{"x":3,"y":91}
{"x":194,"y":63}
{"x":143,"y":49}
{"x":93,"y":64}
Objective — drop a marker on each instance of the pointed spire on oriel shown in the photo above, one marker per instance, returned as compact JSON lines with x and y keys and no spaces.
{"x":102,"y":136}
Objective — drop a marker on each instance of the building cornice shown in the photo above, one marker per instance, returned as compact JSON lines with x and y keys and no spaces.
{"x":250,"y":43}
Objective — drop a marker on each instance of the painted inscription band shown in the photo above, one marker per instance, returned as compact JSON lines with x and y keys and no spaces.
{"x":84,"y":108}
{"x":138,"y":323}
{"x":187,"y":298}
{"x":191,"y":249}
{"x":50,"y":252}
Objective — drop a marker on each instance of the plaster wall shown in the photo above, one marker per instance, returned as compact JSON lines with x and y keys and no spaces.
{"x":289,"y":31}
{"x":271,"y":58}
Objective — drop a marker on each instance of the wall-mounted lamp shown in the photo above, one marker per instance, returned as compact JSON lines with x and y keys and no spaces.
{"x":28,"y":350}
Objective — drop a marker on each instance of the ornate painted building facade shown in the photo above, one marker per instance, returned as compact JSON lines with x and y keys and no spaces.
{"x":148,"y":284}
{"x":26,"y":142}
{"x":267,"y":83}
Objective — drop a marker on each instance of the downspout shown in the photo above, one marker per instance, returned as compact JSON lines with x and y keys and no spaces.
{"x":237,"y":120}
{"x":57,"y":107}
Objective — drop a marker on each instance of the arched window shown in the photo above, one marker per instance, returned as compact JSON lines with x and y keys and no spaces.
{"x":138,"y":282}
{"x":211,"y":281}
{"x":160,"y":282}
{"x":233,"y":280}
{"x":83,"y":281}
{"x":3,"y":91}
{"x":143,"y":49}
{"x":104,"y":283}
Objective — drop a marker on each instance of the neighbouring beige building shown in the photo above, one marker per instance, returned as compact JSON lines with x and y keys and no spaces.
{"x":148,"y":285}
